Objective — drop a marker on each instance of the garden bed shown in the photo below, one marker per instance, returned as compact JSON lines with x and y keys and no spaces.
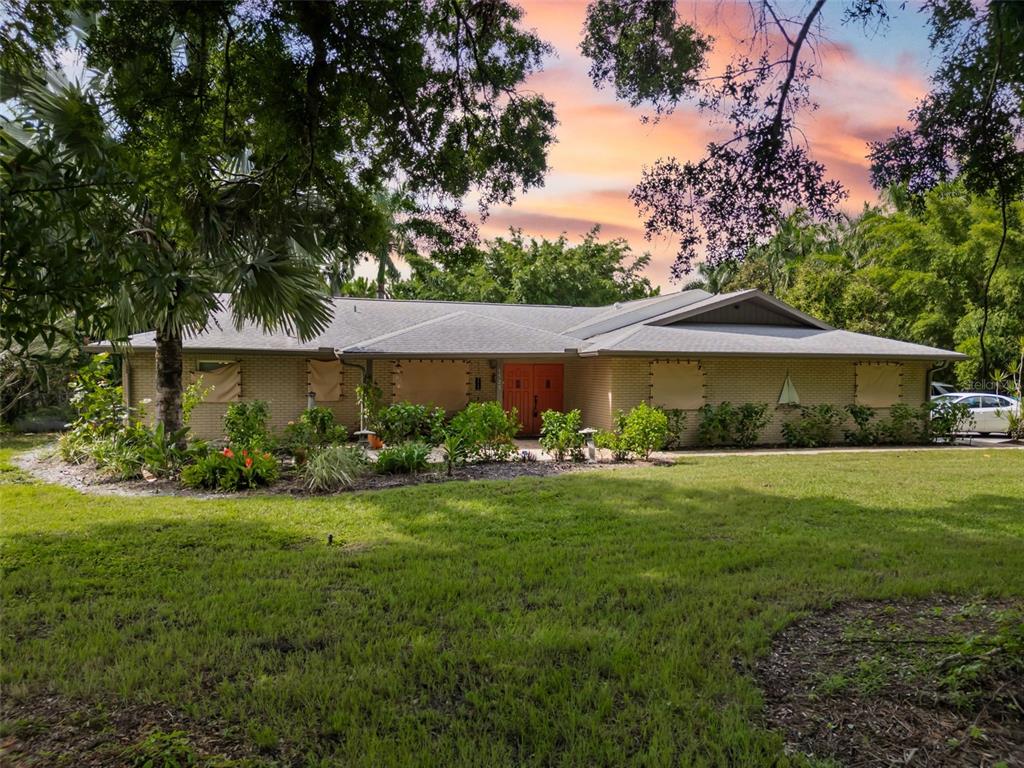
{"x":934,"y":682}
{"x":44,"y":464}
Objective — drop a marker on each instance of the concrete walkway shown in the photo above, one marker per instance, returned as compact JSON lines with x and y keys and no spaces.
{"x":968,"y":443}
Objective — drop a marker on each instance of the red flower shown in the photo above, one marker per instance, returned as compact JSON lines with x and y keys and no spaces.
{"x":245,"y":452}
{"x":248,"y":461}
{"x":227,"y":452}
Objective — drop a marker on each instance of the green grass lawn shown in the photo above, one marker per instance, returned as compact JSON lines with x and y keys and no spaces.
{"x":602,"y":618}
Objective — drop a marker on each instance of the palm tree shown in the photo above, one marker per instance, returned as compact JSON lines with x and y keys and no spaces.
{"x":713,"y":279}
{"x":397,"y":209}
{"x":227,"y":239}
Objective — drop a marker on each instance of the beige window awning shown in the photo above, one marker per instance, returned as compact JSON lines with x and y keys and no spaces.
{"x":677,"y":384}
{"x":324,"y":380}
{"x":444,"y":383}
{"x":879,"y":385}
{"x":224,"y":383}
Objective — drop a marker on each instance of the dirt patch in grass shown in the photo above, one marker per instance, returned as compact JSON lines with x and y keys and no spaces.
{"x":936,"y":682}
{"x":47,"y":730}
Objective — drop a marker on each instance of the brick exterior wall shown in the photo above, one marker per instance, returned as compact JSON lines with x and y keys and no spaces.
{"x":282,"y":381}
{"x":603,"y":385}
{"x":598,"y":386}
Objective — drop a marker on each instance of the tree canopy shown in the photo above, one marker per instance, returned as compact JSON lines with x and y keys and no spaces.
{"x":515,"y":269}
{"x":913,"y":272}
{"x":243,"y":148}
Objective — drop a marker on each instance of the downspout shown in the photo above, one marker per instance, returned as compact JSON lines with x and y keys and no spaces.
{"x":364,"y":378}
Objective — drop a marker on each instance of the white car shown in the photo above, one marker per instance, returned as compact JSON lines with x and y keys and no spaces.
{"x":988,"y":411}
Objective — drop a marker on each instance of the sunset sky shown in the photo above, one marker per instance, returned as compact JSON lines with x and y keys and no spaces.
{"x":869,"y":83}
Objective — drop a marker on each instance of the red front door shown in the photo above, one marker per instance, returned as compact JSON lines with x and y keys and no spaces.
{"x":532,"y":388}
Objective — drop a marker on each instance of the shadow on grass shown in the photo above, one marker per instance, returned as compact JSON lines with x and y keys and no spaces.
{"x":593,"y":619}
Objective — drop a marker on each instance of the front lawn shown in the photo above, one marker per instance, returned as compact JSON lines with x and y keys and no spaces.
{"x":592,"y":619}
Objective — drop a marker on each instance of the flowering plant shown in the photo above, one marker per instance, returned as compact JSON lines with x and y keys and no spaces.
{"x":231,"y":470}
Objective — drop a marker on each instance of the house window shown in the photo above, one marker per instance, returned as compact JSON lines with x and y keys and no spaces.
{"x":205,"y":366}
{"x":444,"y":383}
{"x":677,"y":384}
{"x":878,"y":384}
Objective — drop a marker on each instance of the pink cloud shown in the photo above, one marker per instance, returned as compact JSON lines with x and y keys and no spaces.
{"x":603,"y":146}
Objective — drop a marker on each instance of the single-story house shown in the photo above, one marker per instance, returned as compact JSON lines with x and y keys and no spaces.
{"x":679,"y":350}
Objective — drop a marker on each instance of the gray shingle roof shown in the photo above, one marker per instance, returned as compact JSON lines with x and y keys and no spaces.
{"x":659,"y":325}
{"x":735,"y":339}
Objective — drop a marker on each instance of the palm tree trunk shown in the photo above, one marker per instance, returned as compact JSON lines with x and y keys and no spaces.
{"x":168,"y":380}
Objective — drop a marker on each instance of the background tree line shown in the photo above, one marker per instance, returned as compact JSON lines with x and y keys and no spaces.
{"x":909,"y":271}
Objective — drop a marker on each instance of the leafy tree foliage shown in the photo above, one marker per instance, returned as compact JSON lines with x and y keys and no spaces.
{"x":971,"y":123}
{"x":516,"y":270}
{"x":731,"y":198}
{"x":914,"y":272}
{"x":241,"y":148}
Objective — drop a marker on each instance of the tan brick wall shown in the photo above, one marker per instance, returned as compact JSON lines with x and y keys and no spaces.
{"x":602,"y":386}
{"x":282,"y":381}
{"x":598,"y":386}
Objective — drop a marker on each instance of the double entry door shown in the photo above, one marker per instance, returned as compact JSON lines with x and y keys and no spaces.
{"x":532,"y":388}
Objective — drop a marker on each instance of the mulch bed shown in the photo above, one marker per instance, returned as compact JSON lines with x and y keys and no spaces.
{"x":46,"y":730}
{"x":893,"y":683}
{"x":44,"y":465}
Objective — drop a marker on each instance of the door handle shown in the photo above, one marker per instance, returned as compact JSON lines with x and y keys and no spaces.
{"x":535,"y":406}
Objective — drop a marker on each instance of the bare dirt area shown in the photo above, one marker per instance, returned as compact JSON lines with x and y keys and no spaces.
{"x":935,"y":682}
{"x":53,"y":731}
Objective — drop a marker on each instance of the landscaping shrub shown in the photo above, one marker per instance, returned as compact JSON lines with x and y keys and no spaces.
{"x":334,"y":467}
{"x":903,"y":425}
{"x":121,"y":455}
{"x":560,"y":434}
{"x":486,"y":431}
{"x":644,"y":430}
{"x":404,"y":459}
{"x":726,"y":424}
{"x":99,"y":405}
{"x":405,"y":422}
{"x":865,"y":433}
{"x":454,"y":450}
{"x":612,"y":441}
{"x":814,"y":426}
{"x":232,"y":470}
{"x":162,"y":453}
{"x":315,"y":428}
{"x":245,"y":425}
{"x":676,"y":436}
{"x":944,"y":420}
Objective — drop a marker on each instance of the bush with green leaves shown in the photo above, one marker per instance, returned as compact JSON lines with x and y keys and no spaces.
{"x":245,"y":425}
{"x":903,"y":425}
{"x":232,"y":469}
{"x":99,"y":407}
{"x":560,"y":434}
{"x":611,"y":440}
{"x":676,"y":436}
{"x":644,"y":430}
{"x":864,"y":432}
{"x":814,"y":427}
{"x":334,"y":467}
{"x":944,"y":420}
{"x":455,"y":451}
{"x":313,"y":429}
{"x":487,"y":431}
{"x":408,"y":458}
{"x":163,"y":454}
{"x":403,"y":422}
{"x":726,"y":424}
